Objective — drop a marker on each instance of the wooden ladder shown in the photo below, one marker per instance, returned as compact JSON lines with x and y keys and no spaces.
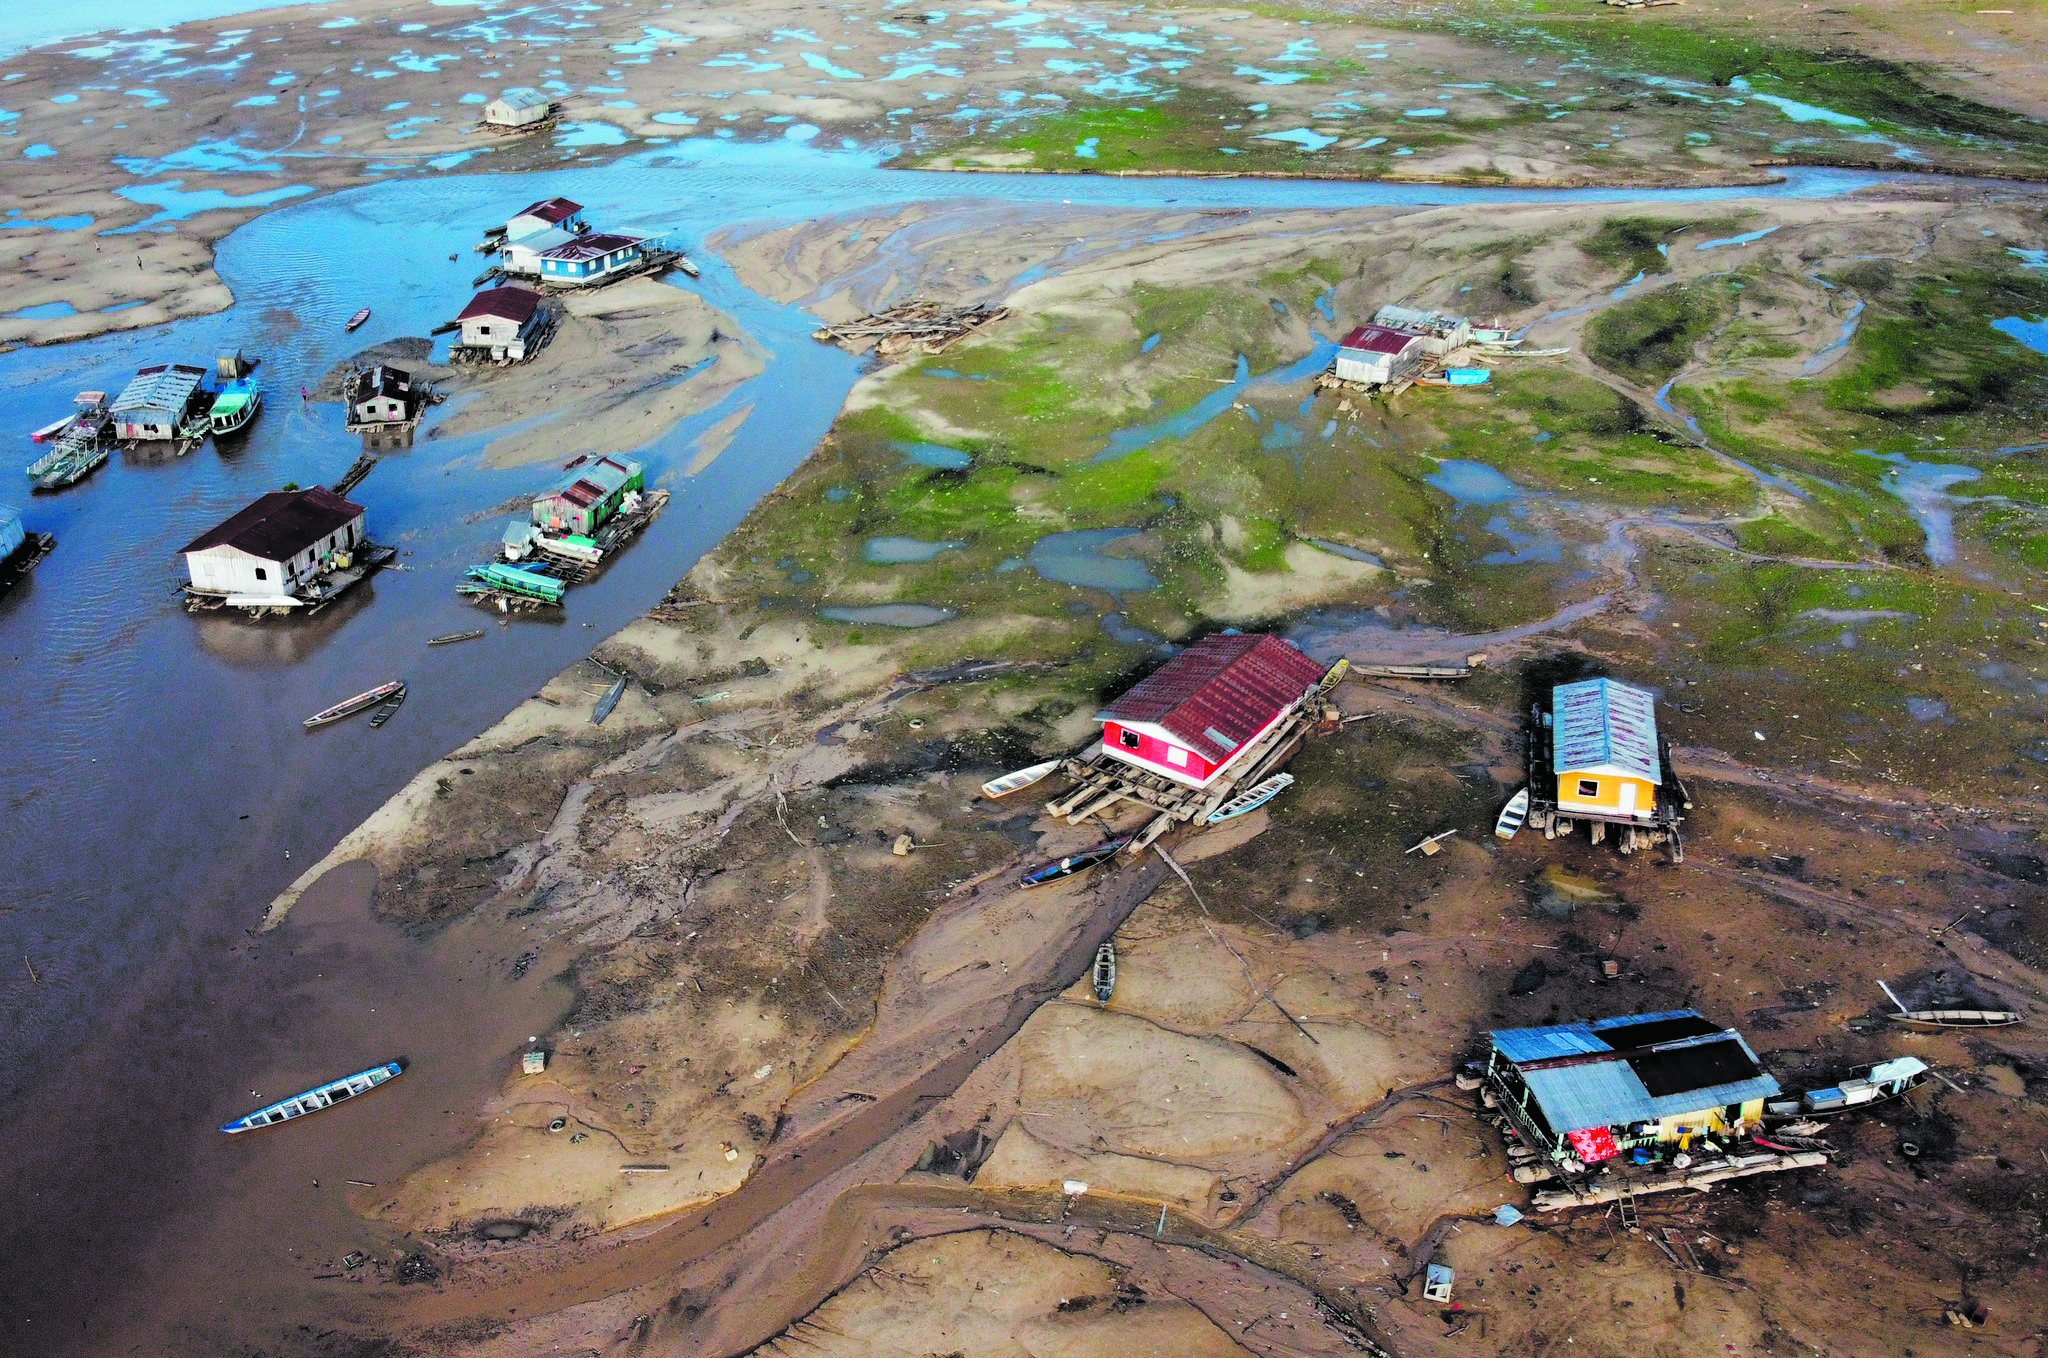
{"x":1630,"y":1222}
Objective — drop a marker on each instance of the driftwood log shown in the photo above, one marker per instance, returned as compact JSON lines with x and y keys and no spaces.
{"x":925,"y":326}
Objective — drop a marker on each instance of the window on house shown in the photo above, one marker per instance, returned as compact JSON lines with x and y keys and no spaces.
{"x":262,"y":574}
{"x":1589,"y":787}
{"x":1127,"y":739}
{"x":1176,"y":755}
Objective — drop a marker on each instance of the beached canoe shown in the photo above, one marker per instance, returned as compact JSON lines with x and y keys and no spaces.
{"x":1103,"y":977}
{"x":1252,"y":798}
{"x":348,"y":707}
{"x":387,"y":709}
{"x":1512,"y":815}
{"x":1016,"y":782}
{"x":609,"y":701}
{"x":1074,"y":864}
{"x":1933,"y":1020}
{"x":316,"y":1099}
{"x":355,"y":322}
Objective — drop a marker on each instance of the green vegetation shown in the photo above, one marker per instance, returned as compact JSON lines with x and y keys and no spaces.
{"x":1649,"y":338}
{"x":1926,"y":349}
{"x":1631,"y":244}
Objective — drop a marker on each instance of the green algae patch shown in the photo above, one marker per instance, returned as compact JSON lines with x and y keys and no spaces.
{"x":1649,"y":338}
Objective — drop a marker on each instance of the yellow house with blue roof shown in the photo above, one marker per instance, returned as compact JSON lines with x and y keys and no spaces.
{"x":1604,"y":750}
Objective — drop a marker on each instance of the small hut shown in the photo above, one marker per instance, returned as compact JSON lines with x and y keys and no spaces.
{"x":1442,"y":333}
{"x":518,"y":109}
{"x":158,"y":402}
{"x":1380,"y":355}
{"x":1193,"y":717}
{"x":383,"y":395}
{"x":1595,"y":755}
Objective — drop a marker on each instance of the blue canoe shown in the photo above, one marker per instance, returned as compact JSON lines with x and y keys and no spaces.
{"x":316,"y":1099}
{"x":1075,"y":863}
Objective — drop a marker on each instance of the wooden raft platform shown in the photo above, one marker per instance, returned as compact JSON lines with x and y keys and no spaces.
{"x":925,"y":326}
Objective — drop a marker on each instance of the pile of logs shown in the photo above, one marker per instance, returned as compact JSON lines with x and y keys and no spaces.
{"x":914,"y":325}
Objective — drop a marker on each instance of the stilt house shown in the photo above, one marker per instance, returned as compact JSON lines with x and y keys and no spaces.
{"x":590,"y":492}
{"x":501,"y":321}
{"x":591,"y":258}
{"x":158,"y":402}
{"x":1191,"y":719}
{"x":1441,"y":333}
{"x":1591,"y":1091}
{"x":1380,"y":355}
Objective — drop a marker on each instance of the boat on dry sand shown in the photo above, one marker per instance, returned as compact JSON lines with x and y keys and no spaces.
{"x":1016,"y":782}
{"x":348,"y":707}
{"x":1103,"y":977}
{"x":1074,"y":864}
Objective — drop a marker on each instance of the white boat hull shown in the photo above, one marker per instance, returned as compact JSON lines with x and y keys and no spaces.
{"x":1251,"y":800}
{"x":1512,"y":815}
{"x":1018,"y":781}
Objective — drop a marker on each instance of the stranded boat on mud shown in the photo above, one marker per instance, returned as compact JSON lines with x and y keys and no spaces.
{"x":348,"y":707}
{"x":316,"y":1099}
{"x":1075,"y":864}
{"x":1103,"y":977}
{"x":1934,"y":1020}
{"x":1251,"y":799}
{"x":1018,"y":781}
{"x":1885,"y":1081}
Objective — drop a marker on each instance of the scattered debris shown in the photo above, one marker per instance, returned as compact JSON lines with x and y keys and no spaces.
{"x":926,"y":326}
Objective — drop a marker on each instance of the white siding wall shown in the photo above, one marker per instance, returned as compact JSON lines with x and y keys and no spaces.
{"x":504,"y":115}
{"x":230,"y":570}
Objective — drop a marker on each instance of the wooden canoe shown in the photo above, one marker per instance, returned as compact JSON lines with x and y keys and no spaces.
{"x":387,"y":709}
{"x":317,"y":1099}
{"x":348,"y":707}
{"x":1512,"y":815}
{"x":609,"y":701}
{"x":1015,"y":782}
{"x":1074,"y":864}
{"x":1103,"y":977}
{"x":1933,"y":1020}
{"x":355,"y":322}
{"x":451,"y":638}
{"x":1252,"y":799}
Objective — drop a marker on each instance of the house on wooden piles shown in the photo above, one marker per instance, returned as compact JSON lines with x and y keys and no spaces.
{"x":1644,"y":1087}
{"x":1199,"y":713}
{"x":1380,"y":355}
{"x":502,"y":325}
{"x":159,"y":402}
{"x":383,"y":395}
{"x":290,"y":549}
{"x":591,"y":258}
{"x":1595,"y":755}
{"x":590,"y":491}
{"x":1441,"y":334}
{"x":518,"y":109}
{"x":563,"y":214}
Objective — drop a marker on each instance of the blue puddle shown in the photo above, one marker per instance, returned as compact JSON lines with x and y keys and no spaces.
{"x":1923,"y":488}
{"x":935,"y":455}
{"x":1472,"y":485}
{"x":44,"y":311}
{"x":178,"y":203}
{"x":1743,"y":239}
{"x":1183,"y":423}
{"x":890,"y":615}
{"x":2031,"y":331}
{"x":900,"y":551}
{"x":16,"y":222}
{"x":1825,"y":356}
{"x":1077,"y":558}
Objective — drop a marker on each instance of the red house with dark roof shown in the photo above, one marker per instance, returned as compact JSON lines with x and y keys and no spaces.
{"x":1191,"y":718}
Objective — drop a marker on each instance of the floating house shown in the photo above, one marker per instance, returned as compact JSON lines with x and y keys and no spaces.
{"x":1380,"y":355}
{"x":548,"y":214}
{"x":1581,"y":1093}
{"x":20,"y":550}
{"x":1442,"y":334}
{"x":590,"y":491}
{"x":158,"y":403}
{"x":1595,"y":755}
{"x":290,"y":549}
{"x":383,"y":395}
{"x":518,"y":109}
{"x":504,"y":325}
{"x":592,"y":258}
{"x":520,"y":255}
{"x":1196,"y":715}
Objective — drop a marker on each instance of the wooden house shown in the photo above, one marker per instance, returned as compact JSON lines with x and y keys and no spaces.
{"x":521,"y":256}
{"x":561,"y":214}
{"x":383,"y":395}
{"x":590,"y":491}
{"x":1380,"y":355}
{"x":159,"y":402}
{"x":592,"y":258}
{"x":502,"y":324}
{"x":1195,"y":715}
{"x":1581,"y":1093}
{"x":277,"y":548}
{"x":517,"y":109}
{"x":1603,"y":750}
{"x":1441,"y":333}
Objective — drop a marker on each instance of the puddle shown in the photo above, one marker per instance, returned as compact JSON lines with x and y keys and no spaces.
{"x":590,"y":134}
{"x":1827,"y":356}
{"x":1923,"y":487}
{"x":1348,"y":553}
{"x":1926,"y":709}
{"x":1117,"y":629}
{"x":935,"y":455}
{"x":890,"y":615}
{"x":1796,"y":111}
{"x":179,"y":203}
{"x":1473,"y":483}
{"x":1183,"y":423}
{"x":1077,"y":558}
{"x":899,"y":551}
{"x":44,"y":311}
{"x":2031,"y":331}
{"x":1743,"y":239}
{"x":1302,"y":137}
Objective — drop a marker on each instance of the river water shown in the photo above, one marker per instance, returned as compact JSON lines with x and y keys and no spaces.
{"x":159,"y":789}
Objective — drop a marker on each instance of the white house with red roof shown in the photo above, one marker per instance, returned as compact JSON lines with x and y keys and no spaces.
{"x":502,"y":322}
{"x":1194,"y":716}
{"x":1380,"y":355}
{"x":548,"y":213}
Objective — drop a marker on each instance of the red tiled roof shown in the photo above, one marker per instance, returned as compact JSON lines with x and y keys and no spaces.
{"x":1380,"y":339}
{"x":594,"y":245}
{"x":1227,"y":686}
{"x":553,"y":210}
{"x":281,"y":524}
{"x":511,"y":304}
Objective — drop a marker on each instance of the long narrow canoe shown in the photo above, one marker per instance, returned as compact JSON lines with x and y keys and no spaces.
{"x":1074,"y":864}
{"x":1512,"y":815}
{"x":1016,"y":782}
{"x":1932,"y":1019}
{"x":387,"y":709}
{"x":348,"y":707}
{"x":1252,"y":798}
{"x":451,"y":638}
{"x":609,"y":701}
{"x":316,"y":1099}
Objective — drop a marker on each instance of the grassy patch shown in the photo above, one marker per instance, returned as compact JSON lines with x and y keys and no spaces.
{"x":1649,"y":338}
{"x":1630,"y":244}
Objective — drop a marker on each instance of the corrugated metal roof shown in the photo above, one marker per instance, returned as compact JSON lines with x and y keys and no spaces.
{"x":1597,"y":1094}
{"x":164,"y":386}
{"x":521,"y":96}
{"x":1415,"y":318}
{"x":594,"y":245}
{"x":588,"y":480}
{"x":1603,"y":724}
{"x":281,"y":524}
{"x":552,"y":210}
{"x":1540,"y":1044}
{"x":510,"y":304}
{"x":1704,"y":1067}
{"x":1219,"y":692}
{"x":1379,"y":339}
